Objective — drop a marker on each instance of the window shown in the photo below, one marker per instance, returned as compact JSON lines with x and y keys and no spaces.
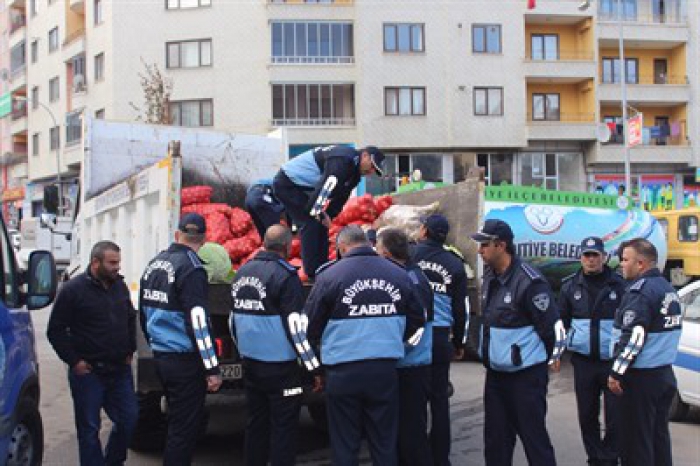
{"x":53,"y":39}
{"x":35,"y":50}
{"x":74,"y":127}
{"x":189,"y":54}
{"x":690,"y":304}
{"x":486,"y":38}
{"x":100,"y":114}
{"x":192,"y":113}
{"x":97,"y":9}
{"x":99,"y":67}
{"x":539,"y":170}
{"x":498,"y":168}
{"x":404,"y":101}
{"x":312,"y":42}
{"x":182,"y":4}
{"x":53,"y":89}
{"x":33,"y":7}
{"x":488,"y":101}
{"x":612,"y":72}
{"x":35,"y":97}
{"x":609,"y":9}
{"x":35,"y":144}
{"x":545,"y":107}
{"x":688,"y":228}
{"x":545,"y":47}
{"x":54,"y":138}
{"x":313,"y":104}
{"x":404,"y":37}
{"x":10,"y":291}
{"x":77,"y":64}
{"x":18,"y":58}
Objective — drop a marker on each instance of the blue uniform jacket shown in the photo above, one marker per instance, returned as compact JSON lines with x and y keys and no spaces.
{"x":173,"y":303}
{"x":313,"y":168}
{"x":448,"y":279}
{"x":647,"y":325}
{"x":261,"y":192}
{"x":267,"y":320}
{"x":362,"y":308}
{"x":590,"y":325}
{"x":422,"y":353}
{"x":519,"y":313}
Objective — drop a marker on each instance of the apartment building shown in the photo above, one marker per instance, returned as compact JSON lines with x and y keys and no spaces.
{"x":533,"y":96}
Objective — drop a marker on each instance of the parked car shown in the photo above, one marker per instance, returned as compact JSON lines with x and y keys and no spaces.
{"x":15,"y":238}
{"x":687,"y":365}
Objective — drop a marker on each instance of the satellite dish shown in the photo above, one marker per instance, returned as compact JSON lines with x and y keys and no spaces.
{"x":603,"y":133}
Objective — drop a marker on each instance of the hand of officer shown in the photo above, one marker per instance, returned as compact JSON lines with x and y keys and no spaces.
{"x":555,"y":366}
{"x":324,"y":219}
{"x":129,"y":359}
{"x":82,"y":368}
{"x":458,"y":354}
{"x":615,"y":386}
{"x":318,"y":384}
{"x":213,"y":383}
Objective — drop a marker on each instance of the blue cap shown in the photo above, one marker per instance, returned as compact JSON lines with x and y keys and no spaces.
{"x":437,"y":225}
{"x":193,"y":223}
{"x":592,"y":244}
{"x":492,"y":230}
{"x":377,"y":157}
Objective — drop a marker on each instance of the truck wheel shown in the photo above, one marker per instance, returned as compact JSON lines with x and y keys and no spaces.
{"x":318,"y":414}
{"x":26,"y":447}
{"x":151,"y":427}
{"x":679,"y":410}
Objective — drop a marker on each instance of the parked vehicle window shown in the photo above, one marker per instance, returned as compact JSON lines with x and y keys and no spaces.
{"x":10,"y":296}
{"x":664,"y":226}
{"x":691,"y":305}
{"x":688,"y":228}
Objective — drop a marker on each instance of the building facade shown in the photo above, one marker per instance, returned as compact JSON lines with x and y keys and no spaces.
{"x":532,"y":96}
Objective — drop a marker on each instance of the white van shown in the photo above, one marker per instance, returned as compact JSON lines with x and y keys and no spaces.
{"x":687,"y":364}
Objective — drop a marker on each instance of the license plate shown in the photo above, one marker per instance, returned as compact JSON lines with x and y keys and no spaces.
{"x":231,"y":371}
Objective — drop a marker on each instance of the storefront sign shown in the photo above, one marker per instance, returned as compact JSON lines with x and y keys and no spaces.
{"x":13,"y":194}
{"x":634,"y":130}
{"x":530,"y":195}
{"x":697,"y":175}
{"x":5,"y":104}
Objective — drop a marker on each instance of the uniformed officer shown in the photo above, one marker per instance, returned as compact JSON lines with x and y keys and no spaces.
{"x":646,"y":335}
{"x":174,"y":319}
{"x":588,"y":301}
{"x":361,"y":310}
{"x":520,"y":323}
{"x":269,"y":327}
{"x":262,"y":205}
{"x":414,"y":367}
{"x":448,"y":279}
{"x":306,"y":182}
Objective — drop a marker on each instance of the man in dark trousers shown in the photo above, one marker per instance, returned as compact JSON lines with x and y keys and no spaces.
{"x":262,"y":205}
{"x":174,"y":319}
{"x":269,"y":327}
{"x":646,"y":335}
{"x":588,"y":301}
{"x":309,"y":180}
{"x":521,"y":329}
{"x":361,"y":310}
{"x":414,"y":368}
{"x":448,"y":279}
{"x":93,"y":329}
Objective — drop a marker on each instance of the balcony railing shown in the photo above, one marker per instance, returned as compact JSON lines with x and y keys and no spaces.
{"x":19,"y":109}
{"x":74,"y":36}
{"x":563,"y":117}
{"x":648,"y":80}
{"x":562,"y":55}
{"x":313,"y":2}
{"x":313,"y":122}
{"x":17,"y":21}
{"x":673,"y":134}
{"x":313,"y":60}
{"x":645,"y":11}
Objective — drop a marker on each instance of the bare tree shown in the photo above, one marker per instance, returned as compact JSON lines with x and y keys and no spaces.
{"x":156,"y":93}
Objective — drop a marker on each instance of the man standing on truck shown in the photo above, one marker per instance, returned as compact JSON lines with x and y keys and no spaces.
{"x":269,"y":328}
{"x":93,"y":329}
{"x":448,"y":279}
{"x":519,"y":335}
{"x":414,"y":367}
{"x":309,"y":180}
{"x":647,"y":331}
{"x":588,"y":301}
{"x":361,"y":310}
{"x":262,"y":205}
{"x":173,"y":303}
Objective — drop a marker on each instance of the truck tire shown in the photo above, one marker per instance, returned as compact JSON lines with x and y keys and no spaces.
{"x":679,"y":410}
{"x":318,"y":414}
{"x":151,"y":427}
{"x":26,"y":447}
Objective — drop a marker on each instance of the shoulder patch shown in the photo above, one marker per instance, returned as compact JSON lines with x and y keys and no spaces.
{"x":194,"y":258}
{"x":413,"y":275}
{"x":326,"y":266}
{"x":530,"y":271}
{"x":637,"y":286}
{"x":287,"y":266}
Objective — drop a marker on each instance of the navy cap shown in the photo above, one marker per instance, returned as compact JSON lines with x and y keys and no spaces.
{"x":592,"y":244}
{"x":492,"y":230}
{"x":377,"y":159}
{"x":193,"y":223}
{"x":437,"y":225}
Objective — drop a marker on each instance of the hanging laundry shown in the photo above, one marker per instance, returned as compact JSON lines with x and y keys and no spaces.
{"x":655,"y":132}
{"x":665,"y":130}
{"x":646,"y":136}
{"x":676,"y":128}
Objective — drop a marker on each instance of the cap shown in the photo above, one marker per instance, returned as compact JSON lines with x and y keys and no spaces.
{"x":493,"y":229}
{"x":437,"y":225}
{"x":377,"y":157}
{"x":592,"y":244}
{"x":193,"y":223}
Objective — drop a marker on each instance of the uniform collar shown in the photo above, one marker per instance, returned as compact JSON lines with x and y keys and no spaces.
{"x":651,"y":273}
{"x":607,"y":271}
{"x":268,"y":256}
{"x":361,"y":251}
{"x":178,"y":247}
{"x":508,"y":273}
{"x":433,"y":243}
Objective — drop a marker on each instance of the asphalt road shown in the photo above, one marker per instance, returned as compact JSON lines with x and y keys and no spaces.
{"x":223,"y":445}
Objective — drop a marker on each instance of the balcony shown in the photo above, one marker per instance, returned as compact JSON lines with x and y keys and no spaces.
{"x":17,"y":21}
{"x":77,"y":6}
{"x":556,"y":8}
{"x":645,"y":22}
{"x":19,"y":109}
{"x":313,"y":122}
{"x":74,"y":44}
{"x":569,"y":127}
{"x":567,"y":66}
{"x":648,"y":89}
{"x":16,"y":3}
{"x":650,"y":154}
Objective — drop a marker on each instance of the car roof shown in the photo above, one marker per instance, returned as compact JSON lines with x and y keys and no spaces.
{"x":689,"y":288}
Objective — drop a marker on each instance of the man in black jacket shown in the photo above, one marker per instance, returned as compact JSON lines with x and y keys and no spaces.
{"x":92,"y":328}
{"x":306,"y":182}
